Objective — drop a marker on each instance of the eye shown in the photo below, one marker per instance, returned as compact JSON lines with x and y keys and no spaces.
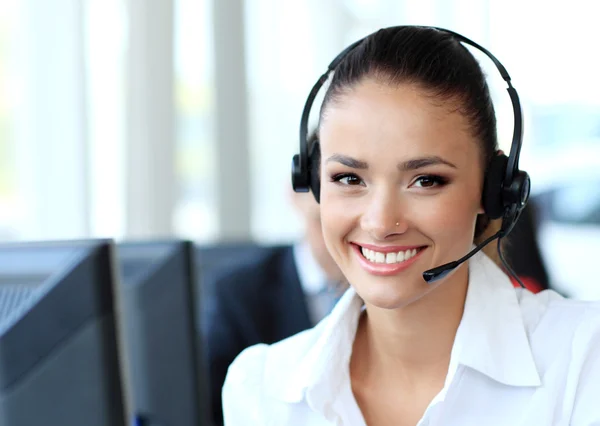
{"x":349,"y":179}
{"x":430,"y":181}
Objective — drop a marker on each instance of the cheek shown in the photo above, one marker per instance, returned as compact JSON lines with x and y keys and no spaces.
{"x":452,"y":215}
{"x":337,"y":218}
{"x":448,"y":216}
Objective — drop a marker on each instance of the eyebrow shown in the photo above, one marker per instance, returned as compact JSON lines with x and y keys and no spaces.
{"x":419,"y":163}
{"x":414,"y":164}
{"x":348,"y":161}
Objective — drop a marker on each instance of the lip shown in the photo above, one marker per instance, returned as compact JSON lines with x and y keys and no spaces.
{"x":386,"y":269}
{"x":387,"y":249}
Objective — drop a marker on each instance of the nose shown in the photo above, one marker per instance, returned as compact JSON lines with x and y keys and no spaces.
{"x":383,"y":217}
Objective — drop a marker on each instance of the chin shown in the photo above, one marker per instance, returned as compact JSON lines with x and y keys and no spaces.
{"x":391,"y":292}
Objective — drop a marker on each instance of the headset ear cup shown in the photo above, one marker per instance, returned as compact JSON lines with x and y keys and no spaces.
{"x":314,"y":164}
{"x":492,"y":195}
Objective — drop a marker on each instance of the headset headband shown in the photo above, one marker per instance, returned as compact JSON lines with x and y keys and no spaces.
{"x":512,"y":168}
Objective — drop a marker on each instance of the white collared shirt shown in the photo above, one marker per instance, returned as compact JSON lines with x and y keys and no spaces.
{"x":517,"y":359}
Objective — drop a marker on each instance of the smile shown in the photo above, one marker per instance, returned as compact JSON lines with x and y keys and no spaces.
{"x":394,"y":257}
{"x":386,"y":260}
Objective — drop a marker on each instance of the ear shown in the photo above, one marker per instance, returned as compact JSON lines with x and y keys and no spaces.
{"x":481,"y":209}
{"x":492,"y":197}
{"x":315,"y":170}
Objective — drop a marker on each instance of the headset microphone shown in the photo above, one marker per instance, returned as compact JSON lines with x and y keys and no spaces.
{"x":439,"y":272}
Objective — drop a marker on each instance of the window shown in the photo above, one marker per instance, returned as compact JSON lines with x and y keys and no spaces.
{"x":9,"y":203}
{"x":195,"y":212}
{"x":105,"y":67}
{"x":44,"y":182}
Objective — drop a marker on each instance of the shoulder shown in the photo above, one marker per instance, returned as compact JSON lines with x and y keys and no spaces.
{"x":263,"y":372}
{"x":264,"y":377}
{"x":246,"y":372}
{"x":241,"y":390}
{"x":561,"y":328}
{"x":549,"y":310}
{"x":255,"y":269}
{"x":270,"y":367}
{"x":229,"y":291}
{"x":584,"y":363}
{"x":263,"y":365}
{"x":564,"y":336}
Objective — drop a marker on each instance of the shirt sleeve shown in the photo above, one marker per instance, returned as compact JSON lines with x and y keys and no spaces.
{"x":586,"y":407}
{"x":243,"y":388}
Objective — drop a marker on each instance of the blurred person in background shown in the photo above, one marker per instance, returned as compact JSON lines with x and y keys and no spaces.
{"x":409,"y":175}
{"x":284,"y":291}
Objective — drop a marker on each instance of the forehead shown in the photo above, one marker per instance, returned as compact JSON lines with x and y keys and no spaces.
{"x":401,"y":118}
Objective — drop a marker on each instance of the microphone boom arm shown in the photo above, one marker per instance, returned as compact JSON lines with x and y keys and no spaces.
{"x":439,"y":272}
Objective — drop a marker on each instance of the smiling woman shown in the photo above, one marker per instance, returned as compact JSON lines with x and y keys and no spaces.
{"x":408,"y":174}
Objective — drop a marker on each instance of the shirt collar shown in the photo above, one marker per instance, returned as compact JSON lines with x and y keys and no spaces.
{"x":491,"y":339}
{"x":313,"y":363}
{"x":312,"y":277}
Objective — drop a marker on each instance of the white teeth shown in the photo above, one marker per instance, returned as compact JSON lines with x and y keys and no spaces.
{"x":388,"y":258}
{"x":369,"y":254}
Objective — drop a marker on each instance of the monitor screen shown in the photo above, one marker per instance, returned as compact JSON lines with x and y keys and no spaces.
{"x":59,"y":347}
{"x":163,"y":345}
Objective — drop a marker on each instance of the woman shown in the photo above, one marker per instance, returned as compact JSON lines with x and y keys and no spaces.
{"x":407,"y":131}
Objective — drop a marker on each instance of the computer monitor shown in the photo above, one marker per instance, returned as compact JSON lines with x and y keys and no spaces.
{"x":165,"y":361}
{"x":59,"y":348}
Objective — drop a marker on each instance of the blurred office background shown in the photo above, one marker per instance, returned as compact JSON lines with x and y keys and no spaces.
{"x":152,"y":118}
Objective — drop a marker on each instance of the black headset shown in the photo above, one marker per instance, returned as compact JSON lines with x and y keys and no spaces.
{"x":506,"y":188}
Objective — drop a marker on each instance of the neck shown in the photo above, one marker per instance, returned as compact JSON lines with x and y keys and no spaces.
{"x":412,"y":344}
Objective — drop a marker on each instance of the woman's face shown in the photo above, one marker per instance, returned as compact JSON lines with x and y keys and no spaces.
{"x":401,"y":186}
